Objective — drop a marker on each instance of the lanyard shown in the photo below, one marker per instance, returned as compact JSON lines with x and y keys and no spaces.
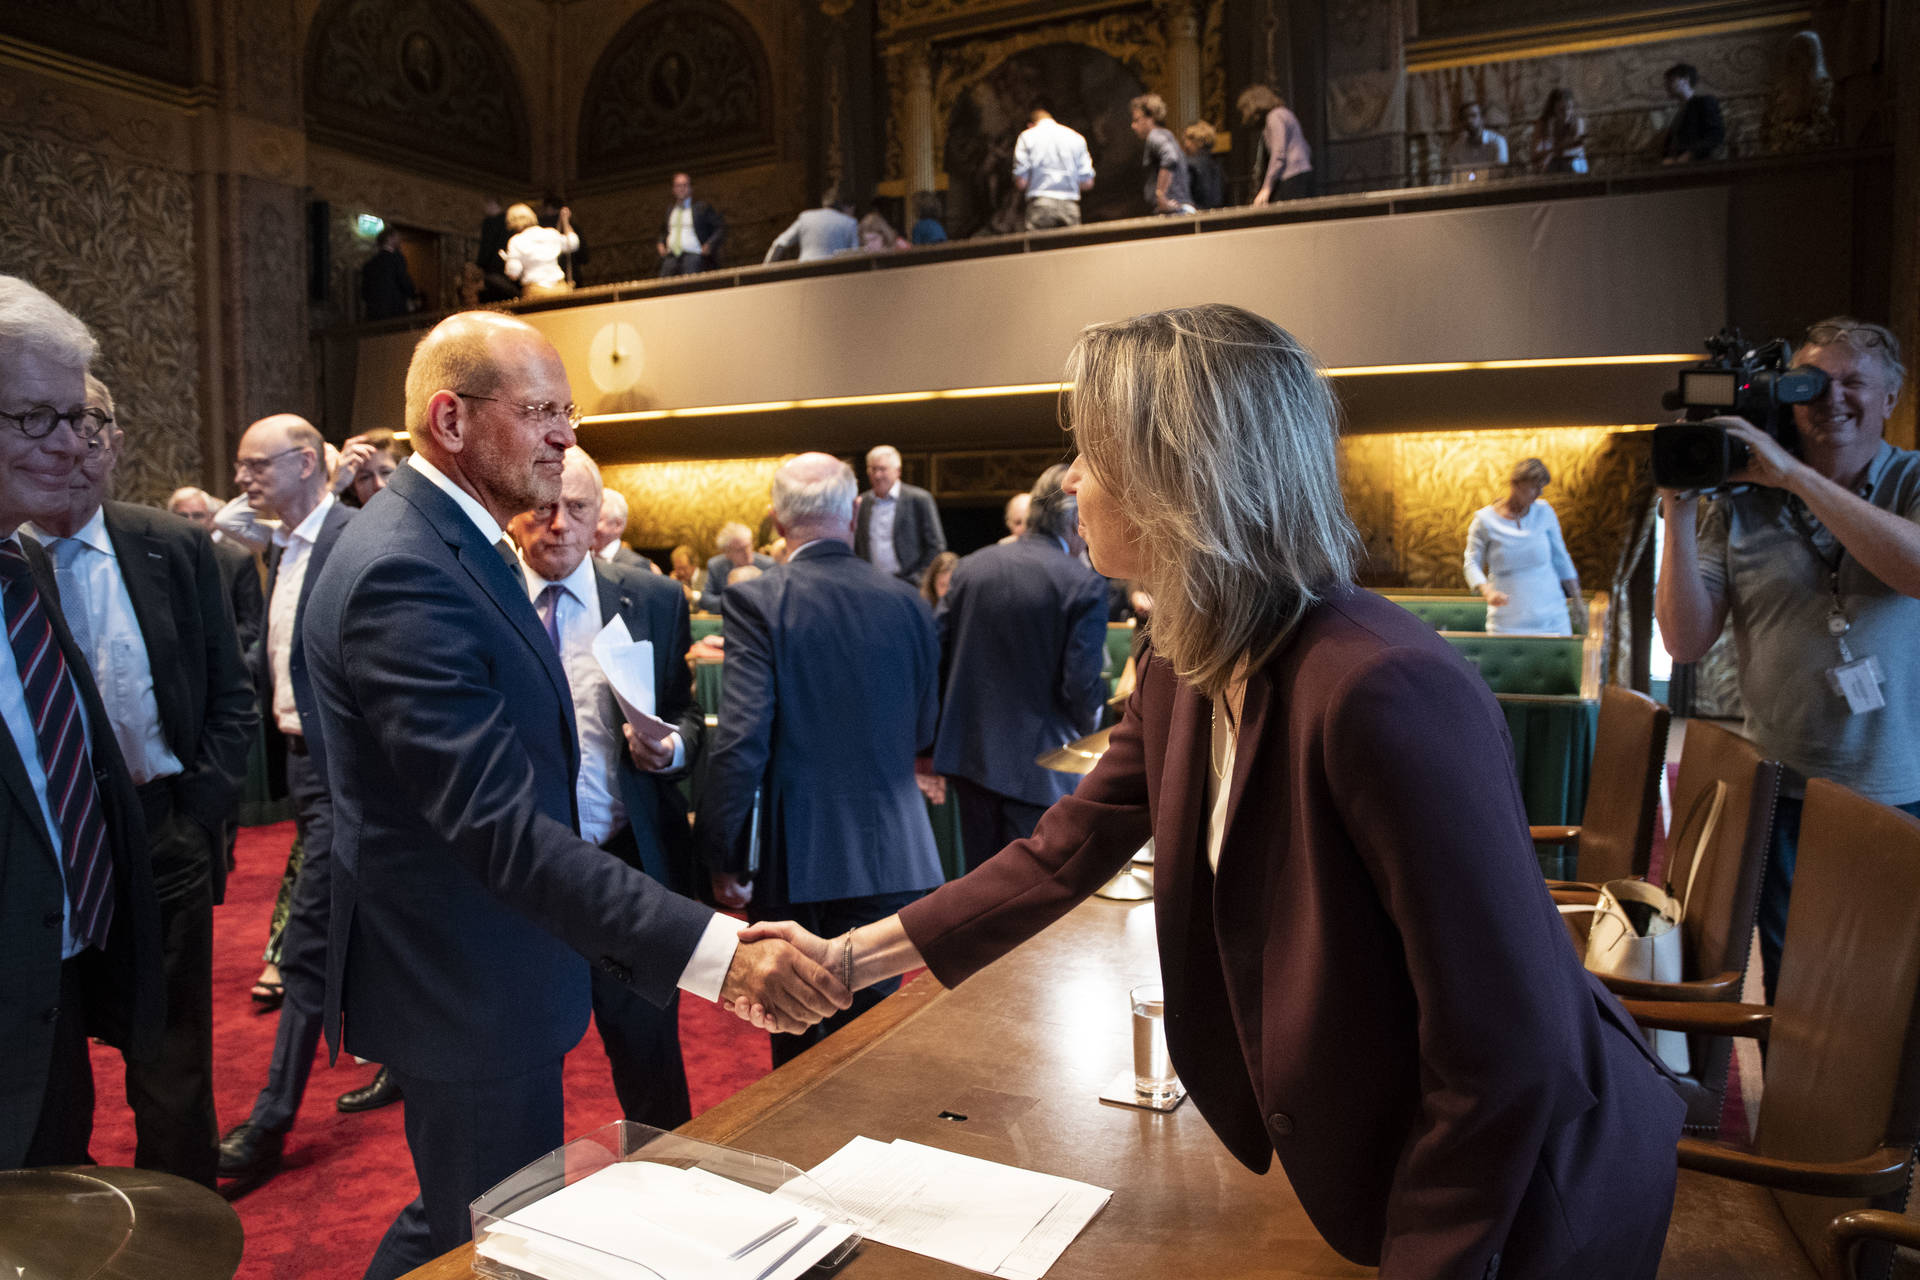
{"x":1838,"y":624}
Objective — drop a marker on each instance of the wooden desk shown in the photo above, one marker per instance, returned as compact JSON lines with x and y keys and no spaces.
{"x":1023,"y":1050}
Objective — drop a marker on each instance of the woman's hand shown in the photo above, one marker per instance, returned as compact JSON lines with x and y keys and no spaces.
{"x":1493,"y":595}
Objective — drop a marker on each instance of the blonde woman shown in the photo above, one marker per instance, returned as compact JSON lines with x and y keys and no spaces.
{"x":1364,"y":974}
{"x":1517,"y":559}
{"x":533,"y":253}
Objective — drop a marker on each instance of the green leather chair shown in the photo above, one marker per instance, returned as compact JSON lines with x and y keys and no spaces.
{"x":1445,"y":612}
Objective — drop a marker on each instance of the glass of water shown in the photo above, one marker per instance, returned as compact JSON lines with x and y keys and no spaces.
{"x":1153,"y":1076}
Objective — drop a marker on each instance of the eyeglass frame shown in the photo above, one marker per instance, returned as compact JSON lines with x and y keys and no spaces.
{"x":251,"y":466}
{"x":543,"y":412}
{"x":1867,"y":337}
{"x":100,"y":419}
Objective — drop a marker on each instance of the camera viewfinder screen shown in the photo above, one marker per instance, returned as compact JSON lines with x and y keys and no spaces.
{"x":1711,"y":389}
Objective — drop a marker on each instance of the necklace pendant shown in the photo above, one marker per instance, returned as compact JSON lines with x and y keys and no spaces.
{"x":1837,"y":624}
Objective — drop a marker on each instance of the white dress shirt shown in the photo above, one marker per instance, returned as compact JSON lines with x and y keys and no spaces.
{"x":283,"y":610}
{"x":609,"y":551}
{"x":26,"y":744}
{"x":680,"y":237}
{"x":880,"y":552}
{"x":116,"y":647}
{"x":1053,"y":159}
{"x":1475,"y":157}
{"x":706,"y":969}
{"x":578,"y":620}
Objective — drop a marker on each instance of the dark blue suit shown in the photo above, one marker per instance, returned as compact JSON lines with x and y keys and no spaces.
{"x":1023,"y":635}
{"x":303,"y":944}
{"x":643,"y":1040}
{"x":832,"y":671}
{"x":464,"y":901}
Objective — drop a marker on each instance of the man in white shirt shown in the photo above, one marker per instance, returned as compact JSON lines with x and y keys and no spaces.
{"x":143,"y":597}
{"x":1476,"y":152}
{"x":691,"y":236}
{"x":281,"y":466}
{"x":1052,"y":166}
{"x":467,"y":908}
{"x":628,"y":791}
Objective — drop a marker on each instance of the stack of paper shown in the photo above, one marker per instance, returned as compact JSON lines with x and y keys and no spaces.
{"x":973,"y":1213}
{"x":639,"y":1220}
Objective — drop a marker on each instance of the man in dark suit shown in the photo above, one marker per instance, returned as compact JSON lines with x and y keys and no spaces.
{"x":466,"y":905}
{"x":628,"y":790}
{"x":735,"y":543}
{"x":1023,"y":636}
{"x":608,"y":530}
{"x":831,"y":690}
{"x":386,"y":288}
{"x":691,"y":234}
{"x":79,"y":923}
{"x":282,"y":466}
{"x":238,"y":568}
{"x":143,"y":597}
{"x":897,"y":528}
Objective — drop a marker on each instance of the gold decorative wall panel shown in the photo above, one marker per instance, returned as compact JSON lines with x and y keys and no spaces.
{"x":112,"y":241}
{"x":670,"y":503}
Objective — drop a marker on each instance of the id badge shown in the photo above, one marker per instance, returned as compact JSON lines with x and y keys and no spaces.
{"x":1859,"y":683}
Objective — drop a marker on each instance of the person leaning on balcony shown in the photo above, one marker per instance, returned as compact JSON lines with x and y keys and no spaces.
{"x":1283,"y":162}
{"x":1518,"y":561}
{"x":1817,"y":565}
{"x":1560,"y":136}
{"x":533,"y":253}
{"x":1364,"y":973}
{"x":1053,"y":169}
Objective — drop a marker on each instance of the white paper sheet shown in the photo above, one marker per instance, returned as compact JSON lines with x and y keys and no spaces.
{"x":973,"y":1213}
{"x":628,"y":665}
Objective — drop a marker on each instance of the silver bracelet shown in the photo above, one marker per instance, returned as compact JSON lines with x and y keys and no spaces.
{"x":846,"y":962}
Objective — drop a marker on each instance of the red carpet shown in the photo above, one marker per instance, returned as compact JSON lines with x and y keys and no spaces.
{"x":346,"y":1176}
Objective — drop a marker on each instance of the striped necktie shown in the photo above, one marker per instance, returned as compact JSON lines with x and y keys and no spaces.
{"x":53,"y":701}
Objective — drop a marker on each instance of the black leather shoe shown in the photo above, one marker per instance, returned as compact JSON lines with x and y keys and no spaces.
{"x":250,"y":1152}
{"x":369,"y":1097}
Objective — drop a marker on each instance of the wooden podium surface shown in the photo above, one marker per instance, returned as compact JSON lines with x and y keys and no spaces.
{"x":1023,"y":1051}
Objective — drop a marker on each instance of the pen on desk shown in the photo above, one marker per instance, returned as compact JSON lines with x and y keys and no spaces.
{"x":797,"y":1246}
{"x":759,"y":1240}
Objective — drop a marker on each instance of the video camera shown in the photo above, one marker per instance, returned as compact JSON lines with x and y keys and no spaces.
{"x":1756,"y":384}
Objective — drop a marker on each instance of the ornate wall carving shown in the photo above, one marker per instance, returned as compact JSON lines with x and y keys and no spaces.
{"x":684,"y":82}
{"x":148,"y":37}
{"x":417,"y":81}
{"x":670,"y":503}
{"x":266,"y":70}
{"x":113,"y":242}
{"x":265,"y":303}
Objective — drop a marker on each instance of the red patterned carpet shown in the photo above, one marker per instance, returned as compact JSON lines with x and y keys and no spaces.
{"x":346,"y":1176}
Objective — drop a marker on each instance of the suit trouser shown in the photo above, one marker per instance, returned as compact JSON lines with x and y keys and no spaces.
{"x":642,"y":1039}
{"x":174,"y":1124}
{"x":464,"y":1137}
{"x":303,"y":953}
{"x":830,"y":919}
{"x":682,"y":264}
{"x":989,"y":821}
{"x":66,"y":1106}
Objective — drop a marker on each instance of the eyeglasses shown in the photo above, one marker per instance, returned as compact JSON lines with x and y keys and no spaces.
{"x":243,"y":467}
{"x":546,"y":412}
{"x":1865,"y":337}
{"x":39,"y":422}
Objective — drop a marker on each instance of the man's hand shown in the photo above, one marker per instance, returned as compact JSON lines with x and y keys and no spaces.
{"x":933,"y":787}
{"x":239,"y":521}
{"x":778,"y":987}
{"x":649,"y":756}
{"x":1770,"y":465}
{"x":731,"y":891}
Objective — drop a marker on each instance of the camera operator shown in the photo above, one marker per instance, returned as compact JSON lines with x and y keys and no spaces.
{"x":1818,"y":564}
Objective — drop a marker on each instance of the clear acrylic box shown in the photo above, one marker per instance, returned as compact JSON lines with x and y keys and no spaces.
{"x":626,"y":1141}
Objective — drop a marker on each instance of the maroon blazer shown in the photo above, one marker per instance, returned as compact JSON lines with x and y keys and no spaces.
{"x":1376,"y":985}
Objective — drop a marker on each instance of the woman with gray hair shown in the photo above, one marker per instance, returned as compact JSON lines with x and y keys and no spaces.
{"x":1363,"y":971}
{"x":1517,"y":560}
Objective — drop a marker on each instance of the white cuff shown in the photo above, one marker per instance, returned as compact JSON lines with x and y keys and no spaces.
{"x":706,"y":971}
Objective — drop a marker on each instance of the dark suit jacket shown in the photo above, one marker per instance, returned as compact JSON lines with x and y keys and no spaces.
{"x":630,"y":558}
{"x":126,"y":1001}
{"x":719,"y":569}
{"x":709,"y":228}
{"x":1698,"y":130}
{"x":261,"y":661}
{"x":199,"y":681}
{"x":463,"y":897}
{"x":1375,"y":985}
{"x":829,"y":695}
{"x":655,"y":608}
{"x":241,"y":573}
{"x":386,"y":289}
{"x":1023,"y":635}
{"x":917,"y":535}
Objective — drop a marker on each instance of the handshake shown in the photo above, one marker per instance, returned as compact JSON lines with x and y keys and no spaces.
{"x":785,"y":978}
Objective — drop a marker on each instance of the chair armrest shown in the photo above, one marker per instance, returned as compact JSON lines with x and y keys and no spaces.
{"x":1554,"y":835}
{"x":1572,"y":893}
{"x":1849,"y":1231}
{"x":1870,"y":1175}
{"x":1720,"y":987}
{"x":1707,"y":1018}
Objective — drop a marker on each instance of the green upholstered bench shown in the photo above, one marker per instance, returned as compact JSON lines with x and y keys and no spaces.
{"x":1445,"y":612}
{"x":1523,"y":664}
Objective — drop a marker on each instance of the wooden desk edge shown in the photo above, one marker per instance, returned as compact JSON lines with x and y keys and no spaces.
{"x":767,"y":1095}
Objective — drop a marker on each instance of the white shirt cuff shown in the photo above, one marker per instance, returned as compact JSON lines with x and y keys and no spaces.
{"x":706,"y":971}
{"x":679,"y":754}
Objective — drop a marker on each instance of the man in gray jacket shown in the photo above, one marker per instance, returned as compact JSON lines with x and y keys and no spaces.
{"x":820,"y":233}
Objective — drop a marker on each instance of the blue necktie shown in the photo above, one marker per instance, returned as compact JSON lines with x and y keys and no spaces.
{"x":549,"y":607}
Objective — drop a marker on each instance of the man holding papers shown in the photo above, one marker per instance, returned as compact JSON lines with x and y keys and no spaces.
{"x":627,"y":791}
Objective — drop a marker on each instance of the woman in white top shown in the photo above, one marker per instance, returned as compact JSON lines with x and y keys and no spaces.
{"x":533,"y":255}
{"x":1517,"y":559}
